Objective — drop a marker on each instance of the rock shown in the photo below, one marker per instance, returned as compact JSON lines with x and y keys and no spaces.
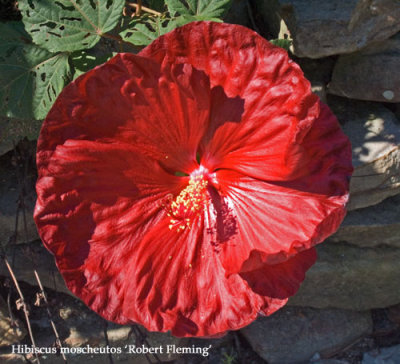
{"x":17,"y":193}
{"x":329,"y":361}
{"x":352,"y":278}
{"x":386,"y":356}
{"x":370,"y":74}
{"x":375,"y":137}
{"x":324,"y":28}
{"x":394,"y":314}
{"x":10,"y":332}
{"x":294,"y":335}
{"x":372,"y":226}
{"x":397,"y":110}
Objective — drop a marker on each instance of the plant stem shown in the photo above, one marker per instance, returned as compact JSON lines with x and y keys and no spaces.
{"x":49,"y":315}
{"x":23,"y":305}
{"x":139,"y":7}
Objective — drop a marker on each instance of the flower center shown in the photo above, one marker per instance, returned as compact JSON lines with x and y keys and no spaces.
{"x":190,"y":202}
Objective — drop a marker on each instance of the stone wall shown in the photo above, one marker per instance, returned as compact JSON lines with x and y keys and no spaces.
{"x":350,"y":51}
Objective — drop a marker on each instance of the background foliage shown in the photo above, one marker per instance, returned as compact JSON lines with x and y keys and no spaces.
{"x":58,"y":40}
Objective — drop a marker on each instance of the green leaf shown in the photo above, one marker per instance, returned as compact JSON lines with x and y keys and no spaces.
{"x":69,"y":25}
{"x":30,"y":77}
{"x":283,"y":43}
{"x":205,"y":8}
{"x":142,"y":31}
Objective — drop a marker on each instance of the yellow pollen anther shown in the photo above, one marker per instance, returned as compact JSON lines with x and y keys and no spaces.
{"x":188,"y":204}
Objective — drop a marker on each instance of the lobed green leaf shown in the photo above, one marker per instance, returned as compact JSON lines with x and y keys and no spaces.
{"x":30,"y":77}
{"x":142,"y":31}
{"x":205,"y":8}
{"x":69,"y":25}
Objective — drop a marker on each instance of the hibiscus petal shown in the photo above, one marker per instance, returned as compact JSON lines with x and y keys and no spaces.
{"x":164,"y":112}
{"x":279,"y":280}
{"x":102,"y":165}
{"x":279,"y":107}
{"x":257,"y":222}
{"x":91,"y":192}
{"x":271,"y":180}
{"x":172,"y":281}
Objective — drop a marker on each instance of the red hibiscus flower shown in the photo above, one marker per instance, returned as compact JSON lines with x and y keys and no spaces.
{"x":185,"y":187}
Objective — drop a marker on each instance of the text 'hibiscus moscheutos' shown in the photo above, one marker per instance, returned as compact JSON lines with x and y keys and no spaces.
{"x":185,"y":187}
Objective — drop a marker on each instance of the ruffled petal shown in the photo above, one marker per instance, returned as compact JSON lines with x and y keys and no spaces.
{"x":163,"y":112}
{"x":257,"y":222}
{"x":278,"y":106}
{"x":285,"y":136}
{"x":95,"y":193}
{"x":116,"y":251}
{"x":171,"y":280}
{"x":279,"y":280}
{"x":106,"y":168}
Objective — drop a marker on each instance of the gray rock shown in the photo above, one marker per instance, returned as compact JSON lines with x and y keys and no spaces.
{"x":385,"y":356}
{"x":329,"y":361}
{"x":372,"y":226}
{"x":370,"y":74}
{"x":324,"y":28}
{"x":17,"y":193}
{"x":294,"y":335}
{"x":397,"y":110}
{"x":375,"y":137}
{"x":350,"y":277}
